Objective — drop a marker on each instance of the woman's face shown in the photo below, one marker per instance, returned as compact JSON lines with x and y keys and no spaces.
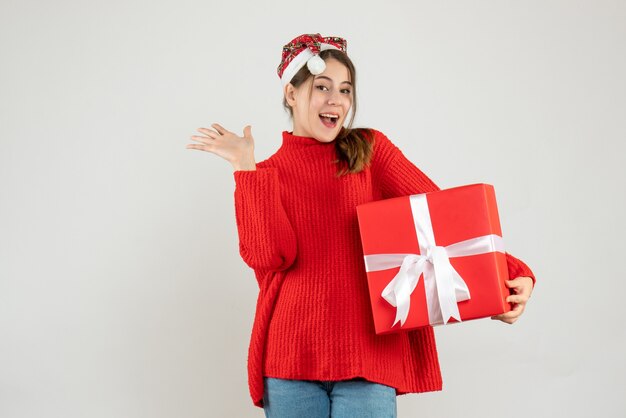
{"x":331,"y":95}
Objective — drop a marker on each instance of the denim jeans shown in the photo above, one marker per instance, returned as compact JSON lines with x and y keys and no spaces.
{"x":355,"y":398}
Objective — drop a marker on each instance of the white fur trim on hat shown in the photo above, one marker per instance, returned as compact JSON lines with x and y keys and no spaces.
{"x":300,"y":60}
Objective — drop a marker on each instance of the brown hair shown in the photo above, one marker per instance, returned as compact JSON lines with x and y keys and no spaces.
{"x":353,"y":145}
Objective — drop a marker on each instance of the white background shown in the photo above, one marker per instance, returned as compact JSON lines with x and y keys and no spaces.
{"x":122,"y":292}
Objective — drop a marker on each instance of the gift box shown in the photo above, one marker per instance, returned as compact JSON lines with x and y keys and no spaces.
{"x":434,"y":258}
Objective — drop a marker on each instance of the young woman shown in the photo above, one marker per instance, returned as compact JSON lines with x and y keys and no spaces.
{"x":313,"y":350}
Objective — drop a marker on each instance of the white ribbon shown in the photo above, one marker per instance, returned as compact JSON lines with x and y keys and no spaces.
{"x":443,"y":285}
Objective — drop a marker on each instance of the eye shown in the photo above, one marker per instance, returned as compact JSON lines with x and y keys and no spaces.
{"x":321,"y":87}
{"x":346,"y":90}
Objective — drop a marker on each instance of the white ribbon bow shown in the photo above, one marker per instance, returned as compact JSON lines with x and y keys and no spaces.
{"x":443,"y":285}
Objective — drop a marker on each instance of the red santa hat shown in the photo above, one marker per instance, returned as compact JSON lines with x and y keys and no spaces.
{"x":305,"y":49}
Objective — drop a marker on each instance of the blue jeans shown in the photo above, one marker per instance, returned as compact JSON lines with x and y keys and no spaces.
{"x":355,"y":398}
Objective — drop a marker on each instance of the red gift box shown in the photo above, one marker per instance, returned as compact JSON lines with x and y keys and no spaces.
{"x":434,"y":258}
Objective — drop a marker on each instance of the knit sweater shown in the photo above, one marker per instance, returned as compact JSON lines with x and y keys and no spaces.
{"x":298,"y":231}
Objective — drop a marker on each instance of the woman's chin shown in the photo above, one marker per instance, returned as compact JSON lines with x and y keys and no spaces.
{"x":327,"y":134}
{"x":325,"y":137}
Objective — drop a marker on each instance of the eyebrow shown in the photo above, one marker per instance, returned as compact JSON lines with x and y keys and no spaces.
{"x":328,"y":78}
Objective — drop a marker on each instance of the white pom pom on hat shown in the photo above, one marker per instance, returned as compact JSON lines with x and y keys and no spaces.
{"x":316,"y":65}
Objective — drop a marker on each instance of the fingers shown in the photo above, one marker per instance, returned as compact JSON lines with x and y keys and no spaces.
{"x":211,"y":134}
{"x":221,"y":141}
{"x":511,"y":316}
{"x":197,"y":146}
{"x":519,"y":281}
{"x":204,"y":146}
{"x":516,"y":299}
{"x":202,"y":139}
{"x":520,"y":285}
{"x":514,"y":312}
{"x":220,"y":129}
{"x":504,"y":319}
{"x":247,"y":131}
{"x":513,"y":283}
{"x":207,"y":140}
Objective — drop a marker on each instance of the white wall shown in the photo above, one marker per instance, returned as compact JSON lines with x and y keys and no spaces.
{"x":122,"y":293}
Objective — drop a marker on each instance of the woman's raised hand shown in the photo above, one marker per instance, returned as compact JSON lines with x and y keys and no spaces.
{"x":239,"y":151}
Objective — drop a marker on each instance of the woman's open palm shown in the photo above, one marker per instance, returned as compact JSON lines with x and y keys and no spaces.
{"x":226,"y":144}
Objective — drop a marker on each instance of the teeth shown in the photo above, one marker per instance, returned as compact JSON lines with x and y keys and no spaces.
{"x":328,"y":115}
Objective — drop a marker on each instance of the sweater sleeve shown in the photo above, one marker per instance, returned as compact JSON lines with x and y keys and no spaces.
{"x":266,"y":238}
{"x":397,"y":176}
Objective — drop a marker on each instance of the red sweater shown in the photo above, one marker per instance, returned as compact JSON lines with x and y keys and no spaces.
{"x":298,"y":230}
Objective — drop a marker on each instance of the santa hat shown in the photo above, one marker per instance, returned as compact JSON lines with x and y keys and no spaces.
{"x":305,"y":49}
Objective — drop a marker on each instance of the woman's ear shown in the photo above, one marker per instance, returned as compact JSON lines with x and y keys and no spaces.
{"x":290,"y":94}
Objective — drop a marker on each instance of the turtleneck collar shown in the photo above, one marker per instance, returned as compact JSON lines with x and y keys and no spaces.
{"x":291,"y":140}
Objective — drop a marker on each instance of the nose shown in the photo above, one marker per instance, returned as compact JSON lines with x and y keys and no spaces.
{"x":333,"y":99}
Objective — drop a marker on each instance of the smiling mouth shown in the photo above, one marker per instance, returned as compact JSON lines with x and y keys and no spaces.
{"x":329,"y":120}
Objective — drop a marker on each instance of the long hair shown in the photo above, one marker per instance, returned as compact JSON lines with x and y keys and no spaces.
{"x":353,"y":145}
